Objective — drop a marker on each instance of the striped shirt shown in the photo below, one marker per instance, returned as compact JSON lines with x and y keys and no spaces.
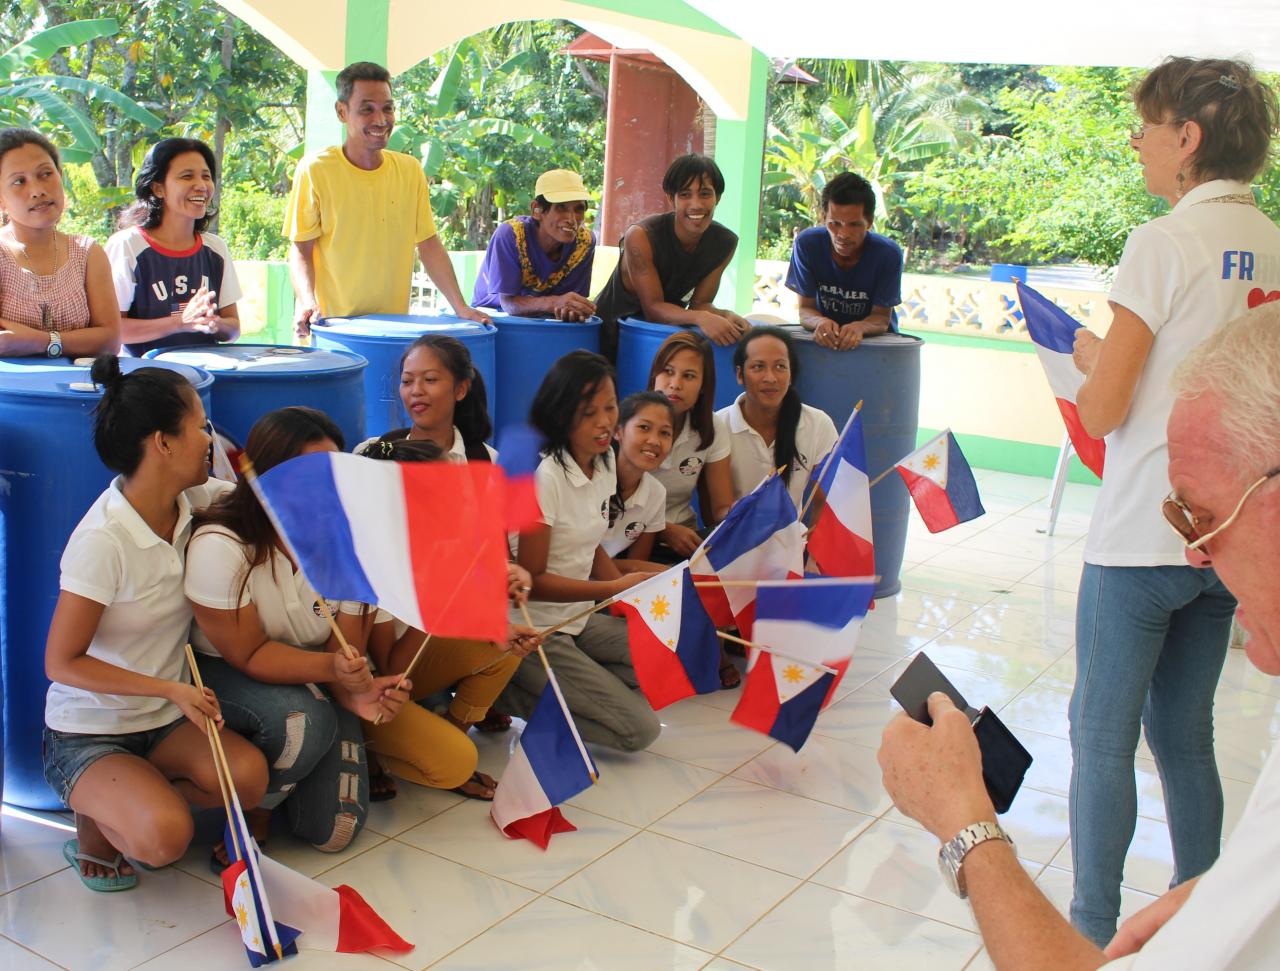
{"x":24,"y":294}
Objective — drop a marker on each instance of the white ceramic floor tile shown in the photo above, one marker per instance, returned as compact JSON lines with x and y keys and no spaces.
{"x":549,"y":935}
{"x":65,"y":922}
{"x":895,"y":641}
{"x":764,"y":826}
{"x":1002,"y":566}
{"x":1056,"y":883}
{"x":637,"y":788}
{"x":1050,"y":761}
{"x":680,"y":891}
{"x":432,"y":903}
{"x":1025,"y":542}
{"x":973,"y":587}
{"x":908,"y":608}
{"x":1004,"y":660}
{"x":467,"y":835}
{"x":1148,"y":867}
{"x":16,"y":958}
{"x":980,"y":962}
{"x":306,"y":859}
{"x":826,"y":769}
{"x":1021,"y":626}
{"x":897,"y":865}
{"x":820,"y":928}
{"x":1039,"y":709}
{"x":32,"y":847}
{"x":704,"y":736}
{"x":1038,"y":823}
{"x":222,"y":950}
{"x":1056,"y":604}
{"x":411,"y":806}
{"x":1058,"y":574}
{"x":724,"y":964}
{"x":861,"y":715}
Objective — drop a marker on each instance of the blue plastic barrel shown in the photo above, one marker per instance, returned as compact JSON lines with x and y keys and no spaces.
{"x":250,"y":380}
{"x":526,"y":347}
{"x":1008,"y":273}
{"x":382,"y":338}
{"x":638,"y":342}
{"x":884,"y":372}
{"x":49,"y":476}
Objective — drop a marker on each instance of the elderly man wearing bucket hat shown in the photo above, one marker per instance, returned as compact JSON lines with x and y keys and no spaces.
{"x":539,"y":265}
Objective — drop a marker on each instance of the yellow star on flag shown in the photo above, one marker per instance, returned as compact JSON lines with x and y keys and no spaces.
{"x":257,"y":942}
{"x":793,"y":673}
{"x":659,"y":608}
{"x":671,"y":644}
{"x":244,"y":882}
{"x":242,"y":916}
{"x":931,"y":462}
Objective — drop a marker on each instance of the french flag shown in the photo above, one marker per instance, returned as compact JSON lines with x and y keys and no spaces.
{"x":673,"y":643}
{"x":1053,"y":331}
{"x":941,"y":483}
{"x":407,"y":536}
{"x":549,"y":765}
{"x":760,"y":539}
{"x":245,"y":897}
{"x":519,"y":454}
{"x":840,"y":541}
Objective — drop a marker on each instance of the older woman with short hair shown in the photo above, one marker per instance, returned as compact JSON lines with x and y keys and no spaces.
{"x":1151,"y":630}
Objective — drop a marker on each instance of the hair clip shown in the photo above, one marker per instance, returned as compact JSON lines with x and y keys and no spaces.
{"x":1228,"y":82}
{"x":387,"y":449}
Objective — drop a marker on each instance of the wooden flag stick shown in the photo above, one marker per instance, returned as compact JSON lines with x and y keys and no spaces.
{"x":727,"y":583}
{"x":211,"y":729}
{"x":580,"y":614}
{"x":555,"y":686}
{"x":250,"y":852}
{"x":699,"y":554}
{"x":377,"y":719}
{"x":827,"y":461}
{"x":348,"y":651}
{"x":769,"y":650}
{"x":877,"y":479}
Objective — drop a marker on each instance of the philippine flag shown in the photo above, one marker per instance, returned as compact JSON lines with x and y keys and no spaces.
{"x":409,"y":537}
{"x":760,"y":539}
{"x":673,"y":643}
{"x":941,"y":483}
{"x":549,"y":765}
{"x":1053,"y":331}
{"x":840,"y":541}
{"x":245,"y":899}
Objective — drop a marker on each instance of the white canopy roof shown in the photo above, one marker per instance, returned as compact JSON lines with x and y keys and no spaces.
{"x":1136,"y":33}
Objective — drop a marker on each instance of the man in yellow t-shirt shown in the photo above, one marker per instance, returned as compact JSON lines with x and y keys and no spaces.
{"x":357,"y":212}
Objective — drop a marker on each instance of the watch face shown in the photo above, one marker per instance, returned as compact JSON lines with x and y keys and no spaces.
{"x":947,"y":866}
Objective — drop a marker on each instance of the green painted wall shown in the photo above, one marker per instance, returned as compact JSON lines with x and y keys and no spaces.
{"x":666,"y":11}
{"x":366,"y":40}
{"x":1023,"y":458}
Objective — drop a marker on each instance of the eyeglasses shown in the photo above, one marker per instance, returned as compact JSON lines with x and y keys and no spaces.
{"x":1138,"y":134}
{"x":1186,"y":525}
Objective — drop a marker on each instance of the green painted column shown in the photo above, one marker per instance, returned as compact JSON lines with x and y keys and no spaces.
{"x":740,"y":155}
{"x":366,"y":40}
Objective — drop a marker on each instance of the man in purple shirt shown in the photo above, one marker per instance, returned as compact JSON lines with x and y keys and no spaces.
{"x":540,"y":265}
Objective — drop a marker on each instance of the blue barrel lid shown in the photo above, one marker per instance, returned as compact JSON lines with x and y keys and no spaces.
{"x":401,"y":326}
{"x":236,"y":361}
{"x":501,"y":320}
{"x":63,"y":377}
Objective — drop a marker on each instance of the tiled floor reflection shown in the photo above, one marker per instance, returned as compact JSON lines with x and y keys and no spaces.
{"x":717,"y":849}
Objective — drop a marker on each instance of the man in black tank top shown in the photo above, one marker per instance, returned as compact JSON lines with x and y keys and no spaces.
{"x":669,"y":269}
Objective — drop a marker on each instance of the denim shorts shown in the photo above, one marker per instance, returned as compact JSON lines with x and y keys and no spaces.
{"x":68,"y":754}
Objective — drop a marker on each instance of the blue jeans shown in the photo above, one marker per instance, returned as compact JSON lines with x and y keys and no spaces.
{"x":314,"y":749}
{"x":1150,"y":645}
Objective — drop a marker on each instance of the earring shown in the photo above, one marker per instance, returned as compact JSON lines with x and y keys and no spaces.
{"x":1182,"y":178}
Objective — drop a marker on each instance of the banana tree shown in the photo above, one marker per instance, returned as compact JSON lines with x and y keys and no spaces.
{"x":29,"y":98}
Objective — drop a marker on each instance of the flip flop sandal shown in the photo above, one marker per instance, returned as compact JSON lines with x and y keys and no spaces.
{"x":730,"y":676}
{"x":387,"y":783}
{"x":495,"y":721}
{"x":476,"y":780}
{"x":121,"y":881}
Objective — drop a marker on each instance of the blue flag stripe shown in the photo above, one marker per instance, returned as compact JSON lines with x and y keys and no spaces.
{"x":698,"y":647}
{"x":828,"y":604}
{"x":751,"y":521}
{"x":853,"y":450}
{"x":796,"y":718}
{"x":1048,"y":324}
{"x":304,"y":500}
{"x":962,"y":489}
{"x":552,"y":752}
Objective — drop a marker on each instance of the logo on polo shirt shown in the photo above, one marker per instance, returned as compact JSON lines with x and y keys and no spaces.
{"x":691,"y":465}
{"x":321,"y":606}
{"x":634,"y":530}
{"x":604,"y":509}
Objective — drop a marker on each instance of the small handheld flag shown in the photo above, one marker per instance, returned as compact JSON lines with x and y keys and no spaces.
{"x":941,"y":483}
{"x":1053,"y":331}
{"x":672,"y":640}
{"x":519,"y":455}
{"x":246,"y":900}
{"x":840,"y":541}
{"x":549,"y":765}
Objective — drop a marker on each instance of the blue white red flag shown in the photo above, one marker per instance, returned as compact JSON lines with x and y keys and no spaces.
{"x":810,"y":628}
{"x":549,"y":765}
{"x":1053,"y":331}
{"x":673,"y":643}
{"x":760,"y":539}
{"x":246,"y":900}
{"x":840,"y":541}
{"x":519,"y":453}
{"x":407,"y":536}
{"x":941,"y":483}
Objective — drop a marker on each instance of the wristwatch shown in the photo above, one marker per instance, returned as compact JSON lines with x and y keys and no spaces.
{"x":951,"y":856}
{"x":55,"y":344}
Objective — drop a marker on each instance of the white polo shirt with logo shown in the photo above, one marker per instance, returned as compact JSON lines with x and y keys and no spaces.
{"x":751,"y":459}
{"x":644,"y":512}
{"x":114,"y":558}
{"x":577,"y":510}
{"x":680,"y":470}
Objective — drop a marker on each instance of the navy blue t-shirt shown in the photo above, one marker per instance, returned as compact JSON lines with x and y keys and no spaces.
{"x":847,"y":295}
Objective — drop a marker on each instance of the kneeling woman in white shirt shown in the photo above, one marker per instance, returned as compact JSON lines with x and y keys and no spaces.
{"x":270,"y":655}
{"x":638,"y":507}
{"x":122,"y":743}
{"x":576,"y":412}
{"x":769,"y":428}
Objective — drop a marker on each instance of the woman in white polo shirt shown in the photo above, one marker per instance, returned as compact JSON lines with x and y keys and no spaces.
{"x":122,"y":743}
{"x":684,"y":370}
{"x":769,"y":427}
{"x":1152,"y":631}
{"x":638,"y":507}
{"x":576,"y":412}
{"x":269,"y":653}
{"x":444,"y":396}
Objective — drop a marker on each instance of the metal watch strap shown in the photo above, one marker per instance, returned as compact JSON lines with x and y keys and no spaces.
{"x":951,"y":855}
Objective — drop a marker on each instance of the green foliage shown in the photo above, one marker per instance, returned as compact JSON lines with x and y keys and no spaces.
{"x":89,"y":207}
{"x":250,"y":220}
